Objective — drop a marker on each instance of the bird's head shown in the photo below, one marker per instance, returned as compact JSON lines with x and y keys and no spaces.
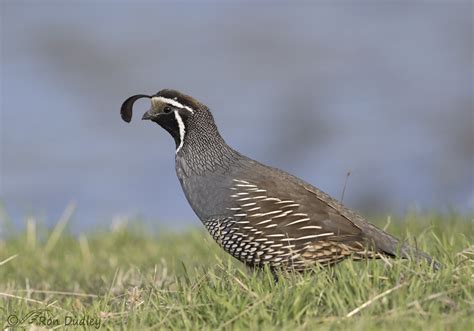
{"x":174,"y":111}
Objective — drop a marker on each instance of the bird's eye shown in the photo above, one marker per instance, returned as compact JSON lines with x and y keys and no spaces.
{"x":167,"y":110}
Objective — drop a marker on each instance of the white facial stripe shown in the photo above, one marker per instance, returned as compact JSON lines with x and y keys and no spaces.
{"x":181,"y":130}
{"x":171,"y":102}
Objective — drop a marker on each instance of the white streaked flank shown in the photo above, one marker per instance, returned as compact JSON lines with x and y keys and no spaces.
{"x":266,"y":214}
{"x":276,"y":235}
{"x":287,"y":239}
{"x":264,"y":222}
{"x":285,"y":201}
{"x":253,"y":209}
{"x":272,"y":199}
{"x":240,"y":181}
{"x":249,"y":204}
{"x":310,"y":227}
{"x":315,"y":236}
{"x":284,"y":214}
{"x":298,"y":221}
{"x":290,"y":206}
{"x":270,"y":226}
{"x":259,"y":197}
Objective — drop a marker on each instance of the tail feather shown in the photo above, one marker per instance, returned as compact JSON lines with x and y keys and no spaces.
{"x":392,"y":246}
{"x":408,"y":252}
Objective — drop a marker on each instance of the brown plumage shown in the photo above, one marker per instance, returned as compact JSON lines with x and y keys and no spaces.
{"x":259,"y":214}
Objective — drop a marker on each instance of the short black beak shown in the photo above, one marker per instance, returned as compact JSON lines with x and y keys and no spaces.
{"x":148,"y":116}
{"x":151,"y":114}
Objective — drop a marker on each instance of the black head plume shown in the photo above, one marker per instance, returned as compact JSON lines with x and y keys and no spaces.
{"x":126,"y":110}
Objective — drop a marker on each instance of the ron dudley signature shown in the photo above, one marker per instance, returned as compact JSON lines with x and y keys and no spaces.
{"x":43,"y":317}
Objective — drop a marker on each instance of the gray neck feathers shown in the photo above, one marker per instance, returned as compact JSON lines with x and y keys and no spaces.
{"x":204,"y":150}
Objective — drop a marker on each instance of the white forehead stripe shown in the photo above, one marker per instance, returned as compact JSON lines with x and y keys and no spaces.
{"x":171,"y":102}
{"x":181,"y":130}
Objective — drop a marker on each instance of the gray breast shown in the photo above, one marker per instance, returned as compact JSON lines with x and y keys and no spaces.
{"x":206,"y":193}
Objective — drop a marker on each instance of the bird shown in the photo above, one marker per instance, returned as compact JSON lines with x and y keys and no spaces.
{"x":261,"y":215}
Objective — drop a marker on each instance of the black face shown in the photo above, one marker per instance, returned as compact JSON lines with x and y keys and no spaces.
{"x":167,"y":109}
{"x":169,"y":118}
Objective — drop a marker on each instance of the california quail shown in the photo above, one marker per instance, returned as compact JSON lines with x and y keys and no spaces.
{"x":259,"y":214}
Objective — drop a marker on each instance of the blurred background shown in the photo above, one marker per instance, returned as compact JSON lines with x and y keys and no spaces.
{"x":383,"y":90}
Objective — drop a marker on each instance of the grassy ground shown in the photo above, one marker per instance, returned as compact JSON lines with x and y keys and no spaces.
{"x":131,"y":278}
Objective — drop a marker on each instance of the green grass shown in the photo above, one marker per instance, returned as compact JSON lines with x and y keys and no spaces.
{"x":132,"y":278}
